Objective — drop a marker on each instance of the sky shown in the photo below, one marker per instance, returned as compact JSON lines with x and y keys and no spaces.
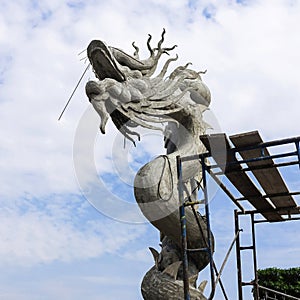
{"x":60,"y":241}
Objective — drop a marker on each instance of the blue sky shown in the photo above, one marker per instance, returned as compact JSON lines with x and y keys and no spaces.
{"x":54,"y":243}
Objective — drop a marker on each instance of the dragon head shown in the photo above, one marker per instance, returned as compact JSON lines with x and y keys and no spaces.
{"x":129,"y":93}
{"x":103,"y":62}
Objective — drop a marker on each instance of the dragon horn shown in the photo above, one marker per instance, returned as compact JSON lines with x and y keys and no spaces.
{"x":202,"y":286}
{"x":193,"y":279}
{"x":155,"y":255}
{"x":172,"y":269}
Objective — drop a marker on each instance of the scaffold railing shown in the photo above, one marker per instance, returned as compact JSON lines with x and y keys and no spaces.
{"x":243,"y":158}
{"x":270,"y":294}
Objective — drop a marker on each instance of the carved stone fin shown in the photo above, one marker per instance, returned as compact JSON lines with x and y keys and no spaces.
{"x":172,"y":269}
{"x":193,"y":279}
{"x":155,"y":255}
{"x":202,"y":286}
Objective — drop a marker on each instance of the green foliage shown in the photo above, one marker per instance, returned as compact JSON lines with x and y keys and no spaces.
{"x":283,"y":280}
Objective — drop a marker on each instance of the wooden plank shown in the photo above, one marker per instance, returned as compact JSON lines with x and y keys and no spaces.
{"x":219,"y":148}
{"x":270,"y":178}
{"x":290,"y":211}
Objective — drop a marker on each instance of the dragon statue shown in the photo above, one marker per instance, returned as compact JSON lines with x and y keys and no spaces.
{"x":128,"y":92}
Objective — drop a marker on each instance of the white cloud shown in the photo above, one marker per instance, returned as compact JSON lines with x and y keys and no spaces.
{"x":251,"y":51}
{"x":252,"y":67}
{"x":36,"y":231}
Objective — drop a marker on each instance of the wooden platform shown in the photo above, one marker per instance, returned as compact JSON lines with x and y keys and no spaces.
{"x":280,"y":201}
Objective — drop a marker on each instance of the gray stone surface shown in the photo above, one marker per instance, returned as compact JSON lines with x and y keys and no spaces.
{"x":127,"y":92}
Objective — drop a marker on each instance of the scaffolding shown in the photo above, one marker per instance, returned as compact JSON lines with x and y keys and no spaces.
{"x":253,"y":172}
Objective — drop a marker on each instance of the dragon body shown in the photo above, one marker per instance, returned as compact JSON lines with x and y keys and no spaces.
{"x":128,"y":93}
